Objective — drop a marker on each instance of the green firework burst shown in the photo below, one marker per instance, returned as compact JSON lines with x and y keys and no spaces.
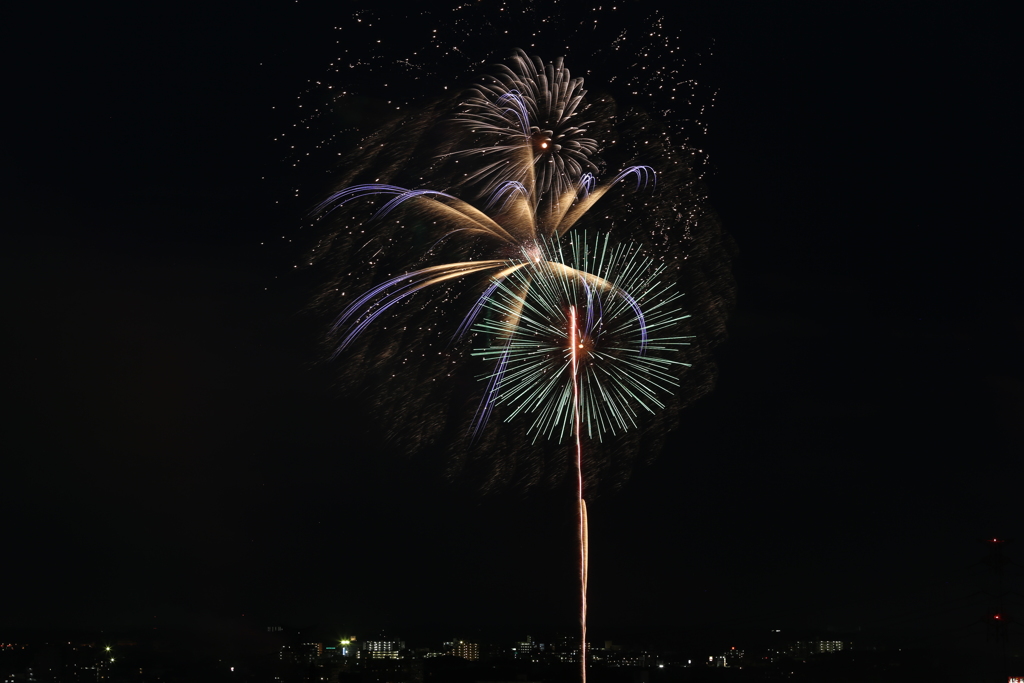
{"x":627,"y":317}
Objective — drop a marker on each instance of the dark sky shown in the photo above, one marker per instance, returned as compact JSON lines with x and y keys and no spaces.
{"x":175,"y":455}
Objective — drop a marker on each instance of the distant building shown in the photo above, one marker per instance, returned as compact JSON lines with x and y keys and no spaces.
{"x":806,"y":648}
{"x":524,"y":649}
{"x":620,"y":659}
{"x":303,"y":653}
{"x":731,"y":657}
{"x":381,"y":649}
{"x":460,"y":648}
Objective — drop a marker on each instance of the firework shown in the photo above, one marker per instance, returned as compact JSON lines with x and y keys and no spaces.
{"x":515,"y":224}
{"x":412,"y":213}
{"x":624,"y":337}
{"x":552,"y":310}
{"x":579,"y":338}
{"x":528,"y":119}
{"x":583,"y":335}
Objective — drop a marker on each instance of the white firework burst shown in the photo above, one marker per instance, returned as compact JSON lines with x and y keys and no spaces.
{"x":528,"y":116}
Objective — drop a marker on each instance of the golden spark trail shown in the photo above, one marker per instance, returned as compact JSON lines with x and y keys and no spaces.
{"x":574,"y":346}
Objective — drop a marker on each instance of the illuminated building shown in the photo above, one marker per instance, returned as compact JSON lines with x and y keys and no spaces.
{"x":310,"y":652}
{"x":731,"y":657}
{"x":381,"y":649}
{"x":524,"y":649}
{"x":804,"y":648}
{"x":460,"y":648}
{"x":304,"y":653}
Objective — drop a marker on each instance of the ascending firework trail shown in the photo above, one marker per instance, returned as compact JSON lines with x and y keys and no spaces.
{"x":574,"y":346}
{"x":577,"y":340}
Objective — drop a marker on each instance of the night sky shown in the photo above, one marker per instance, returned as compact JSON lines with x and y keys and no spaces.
{"x":175,"y":454}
